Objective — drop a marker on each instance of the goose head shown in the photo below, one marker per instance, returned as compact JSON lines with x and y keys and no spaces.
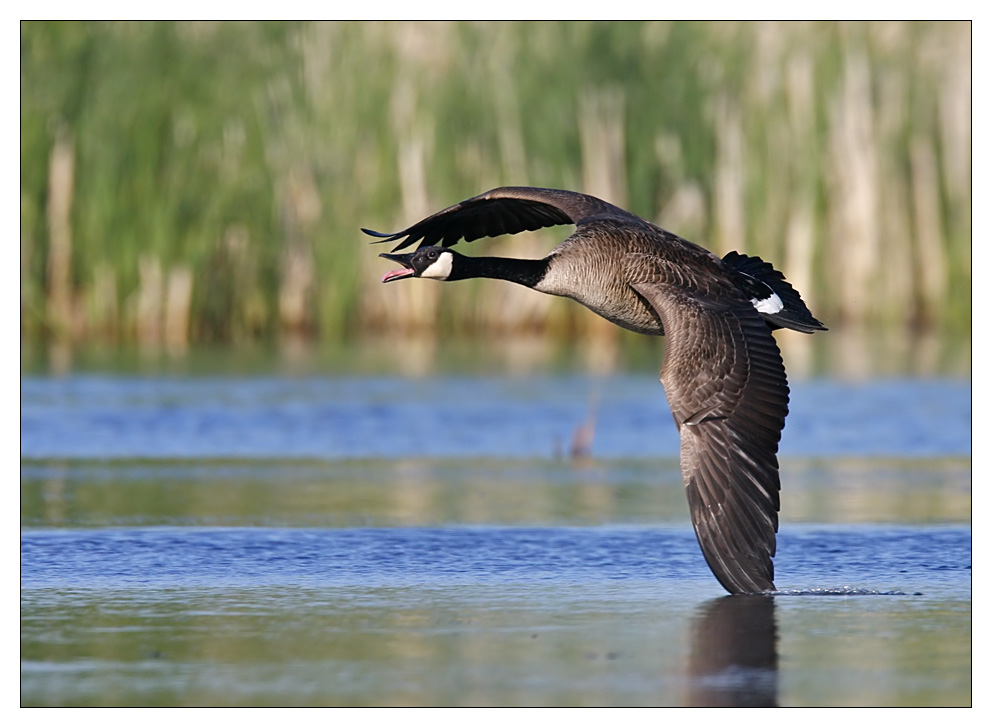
{"x":431,"y":262}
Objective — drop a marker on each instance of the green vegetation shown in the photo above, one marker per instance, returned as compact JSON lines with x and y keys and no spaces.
{"x":205,"y":182}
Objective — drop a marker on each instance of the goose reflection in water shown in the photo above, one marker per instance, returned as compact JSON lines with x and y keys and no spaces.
{"x":734,"y":656}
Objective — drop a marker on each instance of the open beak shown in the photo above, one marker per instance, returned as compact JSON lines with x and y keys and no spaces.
{"x":394,"y":275}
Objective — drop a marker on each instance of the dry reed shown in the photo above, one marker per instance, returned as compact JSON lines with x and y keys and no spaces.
{"x":211,"y":187}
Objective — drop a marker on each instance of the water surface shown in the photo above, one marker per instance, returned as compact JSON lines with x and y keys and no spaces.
{"x":430,"y":541}
{"x":454,"y":416}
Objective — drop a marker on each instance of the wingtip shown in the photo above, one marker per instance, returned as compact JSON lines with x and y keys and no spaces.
{"x":374,"y":234}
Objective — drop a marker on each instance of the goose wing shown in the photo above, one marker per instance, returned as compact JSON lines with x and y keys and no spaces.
{"x":502,"y":211}
{"x":726,"y":386}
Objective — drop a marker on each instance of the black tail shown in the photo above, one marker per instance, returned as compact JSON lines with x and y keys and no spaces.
{"x":759,"y":280}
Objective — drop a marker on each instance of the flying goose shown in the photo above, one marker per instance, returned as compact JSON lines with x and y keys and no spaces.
{"x":722,"y":370}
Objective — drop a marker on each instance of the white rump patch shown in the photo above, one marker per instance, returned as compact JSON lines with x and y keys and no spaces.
{"x":440,"y":268}
{"x":772,"y":304}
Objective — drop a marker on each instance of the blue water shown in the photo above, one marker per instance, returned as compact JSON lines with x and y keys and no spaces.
{"x":850,"y":560}
{"x":111,"y":417}
{"x":403,"y":541}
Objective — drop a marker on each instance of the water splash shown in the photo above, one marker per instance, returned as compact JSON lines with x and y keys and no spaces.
{"x":842,"y":591}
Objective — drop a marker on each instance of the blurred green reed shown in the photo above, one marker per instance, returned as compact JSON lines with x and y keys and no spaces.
{"x":199,"y":182}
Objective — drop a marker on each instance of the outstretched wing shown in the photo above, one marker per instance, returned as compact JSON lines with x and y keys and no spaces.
{"x":726,"y":386}
{"x":502,"y":211}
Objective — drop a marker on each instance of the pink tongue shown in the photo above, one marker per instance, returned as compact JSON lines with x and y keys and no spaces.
{"x":397,"y":273}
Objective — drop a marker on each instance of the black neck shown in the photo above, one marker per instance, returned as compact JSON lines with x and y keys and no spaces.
{"x":525,"y":272}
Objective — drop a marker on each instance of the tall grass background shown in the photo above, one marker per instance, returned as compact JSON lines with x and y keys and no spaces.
{"x":204,"y":182}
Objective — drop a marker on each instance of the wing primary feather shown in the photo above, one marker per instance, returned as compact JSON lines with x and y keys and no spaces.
{"x":726,"y":386}
{"x":504,"y":211}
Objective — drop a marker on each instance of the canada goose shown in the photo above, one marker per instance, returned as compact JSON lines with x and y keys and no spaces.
{"x":722,"y":370}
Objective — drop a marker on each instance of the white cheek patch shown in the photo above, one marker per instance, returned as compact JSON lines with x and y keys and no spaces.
{"x":772,"y":304}
{"x":440,"y":268}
